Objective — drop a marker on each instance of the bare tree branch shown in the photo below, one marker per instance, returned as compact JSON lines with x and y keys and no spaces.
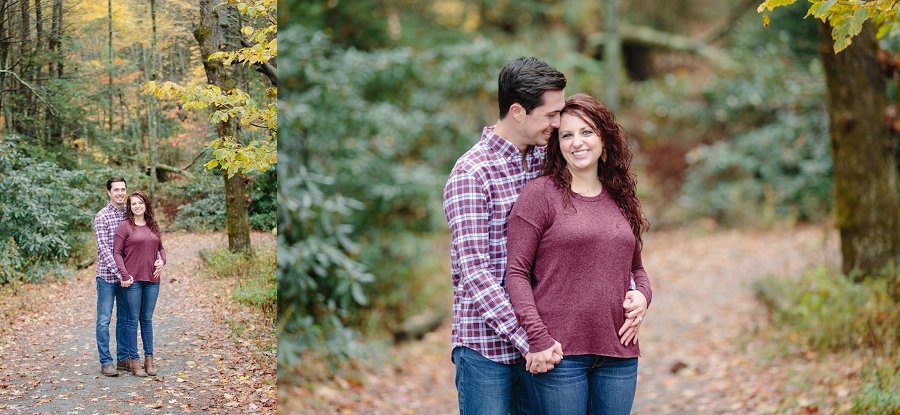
{"x":33,"y":91}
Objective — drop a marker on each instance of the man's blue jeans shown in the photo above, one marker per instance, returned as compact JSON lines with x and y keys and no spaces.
{"x":107,"y":294}
{"x":486,"y":387}
{"x":586,"y":384}
{"x":141,"y":300}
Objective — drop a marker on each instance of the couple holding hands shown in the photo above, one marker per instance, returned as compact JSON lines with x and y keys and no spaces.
{"x":130,"y":258}
{"x":546,"y":255}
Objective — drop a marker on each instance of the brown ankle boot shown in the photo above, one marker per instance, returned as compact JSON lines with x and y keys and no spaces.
{"x":136,"y":368}
{"x":148,"y":365}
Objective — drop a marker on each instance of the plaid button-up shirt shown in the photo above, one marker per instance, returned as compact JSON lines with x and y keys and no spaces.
{"x":105,"y":224}
{"x":479,"y":195}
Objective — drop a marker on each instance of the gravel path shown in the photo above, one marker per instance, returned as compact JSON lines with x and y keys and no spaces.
{"x":49,"y":364}
{"x":697,"y":343}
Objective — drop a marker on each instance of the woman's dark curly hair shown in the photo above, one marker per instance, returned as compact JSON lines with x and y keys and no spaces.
{"x":148,"y":212}
{"x":614,"y":173}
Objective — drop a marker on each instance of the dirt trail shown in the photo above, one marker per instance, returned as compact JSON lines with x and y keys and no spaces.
{"x":698,"y":350}
{"x":49,"y":363}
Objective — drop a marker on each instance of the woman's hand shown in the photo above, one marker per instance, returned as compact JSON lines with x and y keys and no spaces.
{"x":158,"y":271}
{"x":635,"y":305}
{"x":126,"y":283}
{"x":540,"y":362}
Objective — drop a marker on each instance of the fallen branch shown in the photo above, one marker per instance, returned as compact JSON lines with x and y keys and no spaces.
{"x":647,"y":36}
{"x":171,"y":169}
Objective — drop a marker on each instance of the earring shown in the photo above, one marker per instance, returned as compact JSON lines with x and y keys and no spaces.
{"x":603,"y":154}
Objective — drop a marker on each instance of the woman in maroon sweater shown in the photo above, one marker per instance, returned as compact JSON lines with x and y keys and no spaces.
{"x":136,"y":246}
{"x":574,"y":244}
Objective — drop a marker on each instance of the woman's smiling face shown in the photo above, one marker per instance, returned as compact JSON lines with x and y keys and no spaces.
{"x":579,"y":143}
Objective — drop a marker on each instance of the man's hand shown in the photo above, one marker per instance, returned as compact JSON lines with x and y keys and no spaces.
{"x":126,"y":283}
{"x":635,"y":305}
{"x":159,"y":265}
{"x":544,"y":361}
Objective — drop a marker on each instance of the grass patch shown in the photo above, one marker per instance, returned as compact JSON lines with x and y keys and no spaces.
{"x":826,"y":312}
{"x":254,"y":276}
{"x":829,"y":312}
{"x":879,"y":393}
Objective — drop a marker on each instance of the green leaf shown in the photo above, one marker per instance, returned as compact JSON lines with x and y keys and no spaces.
{"x":212,"y":164}
{"x":820,"y":9}
{"x":358,"y":295}
{"x":771,"y":4}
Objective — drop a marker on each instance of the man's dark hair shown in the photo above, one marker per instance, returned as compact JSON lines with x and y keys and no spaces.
{"x":113,"y":180}
{"x":524,"y":80}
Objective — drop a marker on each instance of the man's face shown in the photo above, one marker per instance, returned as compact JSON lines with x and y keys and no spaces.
{"x":537,"y":125}
{"x":117,"y":194}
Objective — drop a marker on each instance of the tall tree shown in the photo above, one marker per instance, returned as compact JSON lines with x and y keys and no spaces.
{"x":612,"y":53}
{"x":212,"y":32}
{"x":55,"y":133}
{"x":152,"y":110}
{"x":865,"y":174}
{"x":4,"y":53}
{"x":863,"y":149}
{"x":109,"y":67}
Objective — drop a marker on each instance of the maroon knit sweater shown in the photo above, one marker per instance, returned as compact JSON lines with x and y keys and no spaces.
{"x":569,"y":268}
{"x":134,"y":250}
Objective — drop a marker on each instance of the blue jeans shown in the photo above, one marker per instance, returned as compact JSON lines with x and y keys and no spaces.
{"x":586,"y":384}
{"x":140,"y":298}
{"x":107,"y":294}
{"x":489,"y":388}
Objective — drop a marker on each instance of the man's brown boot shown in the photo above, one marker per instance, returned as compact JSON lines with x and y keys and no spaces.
{"x":108,"y":370}
{"x":148,"y":365}
{"x":136,"y":368}
{"x":123,"y":365}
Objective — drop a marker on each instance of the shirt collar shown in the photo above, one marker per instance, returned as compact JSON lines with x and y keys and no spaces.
{"x":503,"y":147}
{"x":113,"y":207}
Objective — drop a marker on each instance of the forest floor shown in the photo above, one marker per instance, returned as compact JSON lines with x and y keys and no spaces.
{"x":703,"y":343}
{"x":212,"y":355}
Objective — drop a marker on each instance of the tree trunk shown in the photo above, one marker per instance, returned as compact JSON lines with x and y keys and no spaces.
{"x":25,"y":57}
{"x":212,"y":33}
{"x":54,"y":127}
{"x":109,"y":73}
{"x":152,"y":109}
{"x":612,"y":53}
{"x":4,"y":52}
{"x":39,"y":36}
{"x":865,"y":176}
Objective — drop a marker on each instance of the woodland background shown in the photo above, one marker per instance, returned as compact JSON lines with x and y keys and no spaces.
{"x":74,"y":112}
{"x":728,"y":119}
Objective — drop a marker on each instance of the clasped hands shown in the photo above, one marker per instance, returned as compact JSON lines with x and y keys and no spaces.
{"x":158,"y":265}
{"x":635,"y":305}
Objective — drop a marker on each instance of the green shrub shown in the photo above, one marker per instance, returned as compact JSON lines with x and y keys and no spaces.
{"x":827,"y":311}
{"x":199,"y":204}
{"x":46,"y":209}
{"x":263,"y":200}
{"x":879,"y":394}
{"x":12,"y":264}
{"x":746,"y":146}
{"x":782,"y":170}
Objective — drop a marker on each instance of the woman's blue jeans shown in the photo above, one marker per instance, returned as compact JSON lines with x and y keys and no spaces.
{"x":141,"y":300}
{"x":586,"y":384}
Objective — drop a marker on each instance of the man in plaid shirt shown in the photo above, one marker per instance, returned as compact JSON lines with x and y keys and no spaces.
{"x":109,"y":279}
{"x":487,"y":341}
